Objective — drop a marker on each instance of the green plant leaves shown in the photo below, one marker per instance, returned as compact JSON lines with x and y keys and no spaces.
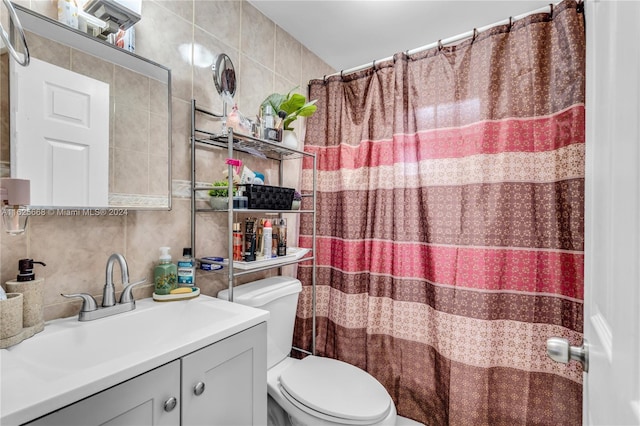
{"x":293,"y":104}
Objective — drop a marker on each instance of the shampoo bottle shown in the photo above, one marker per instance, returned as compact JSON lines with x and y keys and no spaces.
{"x":165,"y":274}
{"x":186,"y":268}
{"x":267,"y":233}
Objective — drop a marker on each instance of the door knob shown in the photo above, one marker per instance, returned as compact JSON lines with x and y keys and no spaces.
{"x":559,"y":350}
{"x":170,"y":404}
{"x":198,"y":388}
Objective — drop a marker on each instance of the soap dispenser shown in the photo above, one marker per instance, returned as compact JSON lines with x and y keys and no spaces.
{"x":32,"y":289}
{"x":165,"y":274}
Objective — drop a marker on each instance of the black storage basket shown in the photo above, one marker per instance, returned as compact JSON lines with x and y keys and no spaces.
{"x":267,"y":197}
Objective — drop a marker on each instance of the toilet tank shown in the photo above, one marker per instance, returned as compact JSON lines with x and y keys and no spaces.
{"x":279,"y":296}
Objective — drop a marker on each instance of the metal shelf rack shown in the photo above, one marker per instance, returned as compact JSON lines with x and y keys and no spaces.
{"x":238,"y":142}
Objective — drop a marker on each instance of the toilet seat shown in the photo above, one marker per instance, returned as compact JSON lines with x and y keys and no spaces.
{"x":335,"y":391}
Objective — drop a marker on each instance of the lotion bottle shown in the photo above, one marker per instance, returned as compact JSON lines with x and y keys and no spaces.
{"x":267,"y":233}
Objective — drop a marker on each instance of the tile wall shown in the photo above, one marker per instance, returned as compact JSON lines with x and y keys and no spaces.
{"x":267,"y":60}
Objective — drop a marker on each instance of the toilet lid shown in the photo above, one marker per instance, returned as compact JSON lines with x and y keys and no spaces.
{"x":336,"y":389}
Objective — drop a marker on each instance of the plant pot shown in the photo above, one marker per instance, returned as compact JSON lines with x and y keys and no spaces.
{"x":219,"y":203}
{"x":290,"y":139}
{"x":295,"y":205}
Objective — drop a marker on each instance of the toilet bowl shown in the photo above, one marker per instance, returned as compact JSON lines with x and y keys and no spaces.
{"x":314,"y":390}
{"x":324,"y":391}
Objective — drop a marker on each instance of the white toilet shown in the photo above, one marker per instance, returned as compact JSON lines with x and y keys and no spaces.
{"x":314,"y":390}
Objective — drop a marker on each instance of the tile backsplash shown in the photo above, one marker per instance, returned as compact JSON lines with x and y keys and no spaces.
{"x":183,"y":35}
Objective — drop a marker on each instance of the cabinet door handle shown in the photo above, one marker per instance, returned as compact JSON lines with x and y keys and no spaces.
{"x":198,"y":389}
{"x":170,"y":404}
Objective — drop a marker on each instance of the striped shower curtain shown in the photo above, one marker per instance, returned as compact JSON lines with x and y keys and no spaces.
{"x":450,"y":228}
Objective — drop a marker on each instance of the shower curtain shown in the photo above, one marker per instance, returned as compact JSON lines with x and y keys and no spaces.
{"x":450,"y":223}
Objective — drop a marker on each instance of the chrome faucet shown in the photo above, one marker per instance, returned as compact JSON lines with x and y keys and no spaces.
{"x":109,"y":292}
{"x":90,"y":309}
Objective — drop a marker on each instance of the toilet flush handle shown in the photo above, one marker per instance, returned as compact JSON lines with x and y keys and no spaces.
{"x":198,"y":389}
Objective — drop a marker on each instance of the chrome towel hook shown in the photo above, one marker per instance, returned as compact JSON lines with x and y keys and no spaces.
{"x":15,"y":22}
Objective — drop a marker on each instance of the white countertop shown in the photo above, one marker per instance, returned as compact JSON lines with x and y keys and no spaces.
{"x":71,"y":360}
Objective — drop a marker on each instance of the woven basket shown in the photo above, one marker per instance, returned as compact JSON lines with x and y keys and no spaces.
{"x":267,"y":197}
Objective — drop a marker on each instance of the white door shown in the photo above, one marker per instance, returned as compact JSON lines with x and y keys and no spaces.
{"x":60,"y":137}
{"x":612,"y":207}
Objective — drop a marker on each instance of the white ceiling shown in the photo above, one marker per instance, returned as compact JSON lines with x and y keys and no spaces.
{"x":350,"y":33}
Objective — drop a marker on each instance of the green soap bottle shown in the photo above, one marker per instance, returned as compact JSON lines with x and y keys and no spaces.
{"x":165,"y":274}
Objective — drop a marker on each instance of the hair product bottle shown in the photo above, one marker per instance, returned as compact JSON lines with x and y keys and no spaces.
{"x":237,"y":242}
{"x":266,"y":235}
{"x":249,"y":240}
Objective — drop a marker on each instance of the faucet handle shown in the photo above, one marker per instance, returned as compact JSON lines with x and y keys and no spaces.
{"x":127,"y":293}
{"x":88,"y":302}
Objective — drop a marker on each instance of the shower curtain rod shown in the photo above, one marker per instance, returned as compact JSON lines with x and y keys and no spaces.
{"x":445,"y":41}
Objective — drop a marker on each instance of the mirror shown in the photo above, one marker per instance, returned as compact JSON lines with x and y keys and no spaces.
{"x":224,"y":75}
{"x":136,"y":129}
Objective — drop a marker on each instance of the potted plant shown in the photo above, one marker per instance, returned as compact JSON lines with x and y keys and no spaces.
{"x":297,"y":199}
{"x":292,"y":105}
{"x":220,"y":195}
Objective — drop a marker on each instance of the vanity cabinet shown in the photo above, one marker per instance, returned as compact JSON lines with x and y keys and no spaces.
{"x":139,"y":401}
{"x":221,"y":384}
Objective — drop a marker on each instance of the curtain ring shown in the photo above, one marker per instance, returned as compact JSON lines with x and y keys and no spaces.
{"x":440,"y":46}
{"x":341,"y":74}
{"x":324,"y":79}
{"x":551,"y":11}
{"x":510,"y":22}
{"x":374,"y":65}
{"x":475,"y":34}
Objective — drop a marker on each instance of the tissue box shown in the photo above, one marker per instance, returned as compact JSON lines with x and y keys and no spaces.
{"x":267,"y":197}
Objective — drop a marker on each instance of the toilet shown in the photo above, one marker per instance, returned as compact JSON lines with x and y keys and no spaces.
{"x":314,"y":390}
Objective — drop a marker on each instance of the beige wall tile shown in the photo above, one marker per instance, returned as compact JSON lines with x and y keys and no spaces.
{"x":258,"y":36}
{"x":166,"y":39}
{"x":220,"y":19}
{"x":288,"y":56}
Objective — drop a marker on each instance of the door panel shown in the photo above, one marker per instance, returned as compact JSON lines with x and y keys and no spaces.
{"x":612,"y":216}
{"x":60,"y":135}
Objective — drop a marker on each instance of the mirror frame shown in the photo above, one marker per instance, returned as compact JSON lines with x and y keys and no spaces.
{"x":60,"y":33}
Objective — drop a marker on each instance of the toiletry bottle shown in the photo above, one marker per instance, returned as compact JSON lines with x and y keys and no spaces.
{"x":186,"y":268}
{"x":274,"y":238}
{"x":165,"y":274}
{"x":267,"y":234}
{"x":237,"y":242}
{"x":249,"y":240}
{"x":282,"y":237}
{"x":260,"y":240}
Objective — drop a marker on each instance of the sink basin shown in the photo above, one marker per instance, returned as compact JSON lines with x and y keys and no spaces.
{"x":70,"y":360}
{"x":75,"y":345}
